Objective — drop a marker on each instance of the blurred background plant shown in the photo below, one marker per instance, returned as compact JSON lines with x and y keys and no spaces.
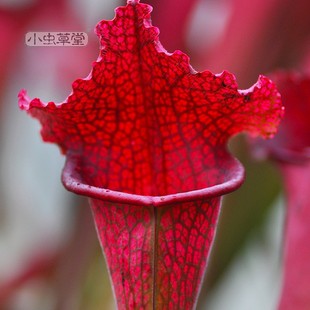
{"x":49,"y":255}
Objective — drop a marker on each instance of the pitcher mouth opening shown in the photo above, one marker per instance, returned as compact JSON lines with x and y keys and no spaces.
{"x":74,"y":182}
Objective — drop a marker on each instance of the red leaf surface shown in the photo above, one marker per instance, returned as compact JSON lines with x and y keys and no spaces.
{"x":145,"y":138}
{"x":157,"y":256}
{"x":291,"y":149}
{"x":292,"y":142}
